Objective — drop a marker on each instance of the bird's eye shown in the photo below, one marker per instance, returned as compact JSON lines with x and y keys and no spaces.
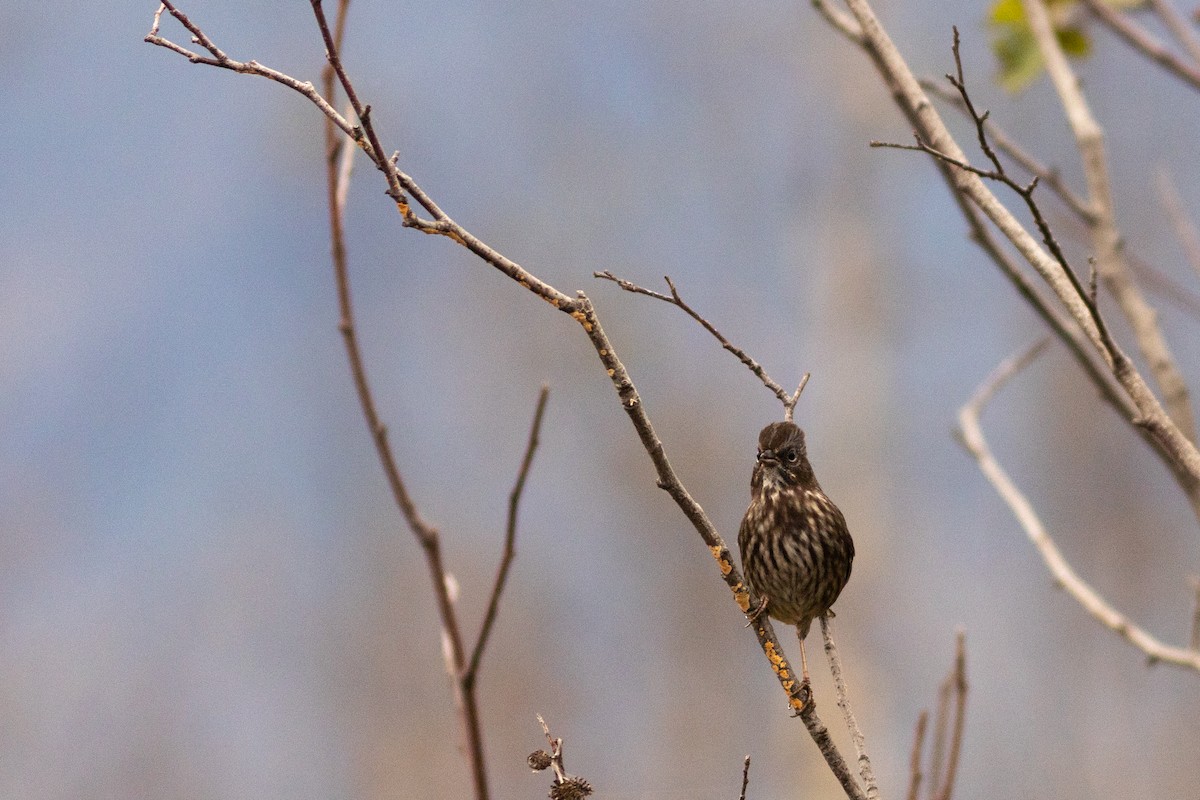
{"x":790,"y":455}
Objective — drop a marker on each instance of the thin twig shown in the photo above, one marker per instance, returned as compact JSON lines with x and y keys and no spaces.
{"x":789,"y":401}
{"x":914,"y":759}
{"x":565,"y":785}
{"x":1194,"y":642}
{"x":972,"y":438}
{"x":1047,"y":176}
{"x":957,"y":680}
{"x":941,"y":722}
{"x":839,"y":20}
{"x":220,"y":59}
{"x":1185,"y":228}
{"x":843,"y":701}
{"x":337,"y":175}
{"x":745,"y":778}
{"x":1141,"y":40}
{"x":1179,"y":27}
{"x":510,"y":536}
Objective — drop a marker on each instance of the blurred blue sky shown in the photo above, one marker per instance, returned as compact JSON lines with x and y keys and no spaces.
{"x":205,"y":589}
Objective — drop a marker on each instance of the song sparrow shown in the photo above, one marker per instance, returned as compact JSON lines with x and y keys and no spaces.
{"x":796,"y":550}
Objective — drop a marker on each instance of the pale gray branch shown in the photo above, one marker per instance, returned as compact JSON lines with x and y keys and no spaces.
{"x":1062,"y":572}
{"x":1106,"y":239}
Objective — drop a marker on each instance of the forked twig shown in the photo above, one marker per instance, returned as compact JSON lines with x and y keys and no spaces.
{"x":956,"y":682}
{"x":789,"y":401}
{"x":510,"y":537}
{"x":564,"y":786}
{"x":947,"y":734}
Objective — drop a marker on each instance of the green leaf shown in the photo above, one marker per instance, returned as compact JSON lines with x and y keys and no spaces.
{"x":1019,"y":57}
{"x":1007,"y":12}
{"x":1074,"y":42}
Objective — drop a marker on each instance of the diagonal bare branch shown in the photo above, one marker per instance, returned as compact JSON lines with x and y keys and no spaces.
{"x":1064,"y":575}
{"x":510,"y":537}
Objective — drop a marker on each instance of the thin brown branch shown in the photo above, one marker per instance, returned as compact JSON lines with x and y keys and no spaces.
{"x":914,"y":759}
{"x":1106,"y":238}
{"x":843,"y":701}
{"x":789,"y":401}
{"x":510,"y":537}
{"x":745,"y":778}
{"x":1047,"y":176}
{"x":1141,"y":40}
{"x":941,"y":722}
{"x":220,"y":59}
{"x":1064,"y":575}
{"x":957,"y":682}
{"x":580,"y":308}
{"x":338,"y":163}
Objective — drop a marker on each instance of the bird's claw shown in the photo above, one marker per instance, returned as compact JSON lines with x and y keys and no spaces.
{"x":752,"y":616}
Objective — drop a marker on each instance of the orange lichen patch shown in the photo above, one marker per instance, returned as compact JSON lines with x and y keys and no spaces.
{"x":795,"y":702}
{"x":742,"y":595}
{"x":718,"y":554}
{"x":778,"y":662}
{"x":582,"y":319}
{"x":612,"y":372}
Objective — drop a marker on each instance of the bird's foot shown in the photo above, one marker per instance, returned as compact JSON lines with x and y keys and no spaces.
{"x":805,"y":695}
{"x":752,"y":616}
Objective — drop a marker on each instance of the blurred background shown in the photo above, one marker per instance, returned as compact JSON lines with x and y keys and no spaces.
{"x":205,"y":589}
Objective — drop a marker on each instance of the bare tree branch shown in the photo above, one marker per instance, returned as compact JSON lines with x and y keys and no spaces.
{"x":843,"y":701}
{"x":1194,"y":641}
{"x":580,"y":308}
{"x":745,"y":778}
{"x":1076,"y":327}
{"x":1179,"y":27}
{"x":1047,"y":176}
{"x":510,"y":537}
{"x":1140,"y":39}
{"x":338,"y":164}
{"x":914,"y":759}
{"x":956,"y":683}
{"x":789,"y":401}
{"x":1185,"y":228}
{"x":1106,"y":239}
{"x":564,"y":786}
{"x":848,"y":27}
{"x":1064,"y":576}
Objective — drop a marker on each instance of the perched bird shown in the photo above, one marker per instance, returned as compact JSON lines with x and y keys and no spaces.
{"x":796,"y":550}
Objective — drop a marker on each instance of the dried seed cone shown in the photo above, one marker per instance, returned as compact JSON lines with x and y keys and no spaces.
{"x":796,"y":549}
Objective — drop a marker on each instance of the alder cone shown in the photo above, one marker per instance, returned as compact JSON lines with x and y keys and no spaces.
{"x":796,"y":550}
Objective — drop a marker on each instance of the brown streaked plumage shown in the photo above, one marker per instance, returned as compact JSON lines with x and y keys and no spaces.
{"x":796,"y":550}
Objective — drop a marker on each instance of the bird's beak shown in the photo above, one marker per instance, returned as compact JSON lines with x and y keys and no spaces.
{"x":768,"y":457}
